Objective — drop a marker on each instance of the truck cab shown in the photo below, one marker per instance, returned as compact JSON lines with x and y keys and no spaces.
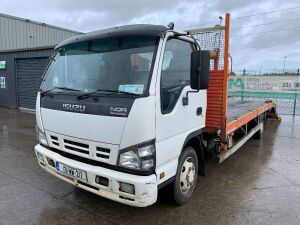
{"x":120,"y":113}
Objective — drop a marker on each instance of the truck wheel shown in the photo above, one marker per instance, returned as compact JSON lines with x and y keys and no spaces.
{"x":186,"y":177}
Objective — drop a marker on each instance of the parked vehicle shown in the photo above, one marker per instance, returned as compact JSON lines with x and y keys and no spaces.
{"x":125,"y":111}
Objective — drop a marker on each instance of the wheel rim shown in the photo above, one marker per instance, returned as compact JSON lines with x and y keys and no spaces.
{"x":187,"y":175}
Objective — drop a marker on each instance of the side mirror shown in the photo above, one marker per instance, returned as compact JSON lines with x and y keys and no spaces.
{"x":200,"y":66}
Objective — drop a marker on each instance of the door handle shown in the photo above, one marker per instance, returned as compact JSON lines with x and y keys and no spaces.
{"x":199,"y":111}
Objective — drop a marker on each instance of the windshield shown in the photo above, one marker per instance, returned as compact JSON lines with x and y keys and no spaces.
{"x":121,"y":64}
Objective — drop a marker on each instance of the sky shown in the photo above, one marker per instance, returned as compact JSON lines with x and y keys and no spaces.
{"x":257,"y":43}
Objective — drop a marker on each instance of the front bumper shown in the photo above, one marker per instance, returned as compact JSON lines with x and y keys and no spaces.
{"x":145,"y":186}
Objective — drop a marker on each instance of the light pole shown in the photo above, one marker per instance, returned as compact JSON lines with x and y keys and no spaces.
{"x":260,"y":70}
{"x":284,"y":58}
{"x":230,"y":63}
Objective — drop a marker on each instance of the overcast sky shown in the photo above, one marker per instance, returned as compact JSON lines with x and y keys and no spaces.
{"x":250,"y":48}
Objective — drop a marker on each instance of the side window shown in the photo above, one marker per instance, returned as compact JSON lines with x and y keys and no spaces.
{"x":175,"y":74}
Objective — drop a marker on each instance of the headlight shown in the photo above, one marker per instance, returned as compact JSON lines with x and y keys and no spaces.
{"x":146,"y":150}
{"x":130,"y":159}
{"x":41,"y":137}
{"x":140,"y":157}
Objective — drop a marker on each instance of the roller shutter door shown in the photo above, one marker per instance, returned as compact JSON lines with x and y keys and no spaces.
{"x":29,"y":73}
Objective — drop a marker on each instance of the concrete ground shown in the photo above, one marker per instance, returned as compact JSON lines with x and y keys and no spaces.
{"x":259,"y":184}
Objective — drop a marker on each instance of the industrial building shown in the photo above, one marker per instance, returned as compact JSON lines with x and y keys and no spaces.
{"x":25,"y":47}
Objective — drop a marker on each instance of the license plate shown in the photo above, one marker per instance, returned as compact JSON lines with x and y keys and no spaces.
{"x":71,"y":172}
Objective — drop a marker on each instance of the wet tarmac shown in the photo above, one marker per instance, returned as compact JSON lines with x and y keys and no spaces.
{"x":259,"y":184}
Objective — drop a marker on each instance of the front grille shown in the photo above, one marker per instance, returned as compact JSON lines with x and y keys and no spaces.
{"x":76,"y":149}
{"x":87,"y":149}
{"x":76,"y":146}
{"x":76,"y":143}
{"x":54,"y":140}
{"x":102,"y":152}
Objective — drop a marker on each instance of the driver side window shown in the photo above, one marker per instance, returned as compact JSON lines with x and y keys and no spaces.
{"x":175,"y":74}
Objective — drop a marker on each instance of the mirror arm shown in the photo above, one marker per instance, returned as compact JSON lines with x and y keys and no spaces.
{"x":185,"y":100}
{"x":196,"y":42}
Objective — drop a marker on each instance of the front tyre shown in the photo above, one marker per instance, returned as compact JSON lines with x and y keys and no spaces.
{"x":186,"y":176}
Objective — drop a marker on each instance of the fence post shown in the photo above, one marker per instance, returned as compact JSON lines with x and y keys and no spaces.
{"x":294,"y":110}
{"x":243,"y":78}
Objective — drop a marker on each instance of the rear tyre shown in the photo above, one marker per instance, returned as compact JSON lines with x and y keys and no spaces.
{"x":186,"y":176}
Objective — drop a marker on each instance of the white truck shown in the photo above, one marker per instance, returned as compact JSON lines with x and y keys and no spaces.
{"x":121,"y":113}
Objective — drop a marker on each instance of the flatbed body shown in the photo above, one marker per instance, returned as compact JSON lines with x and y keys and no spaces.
{"x":229,"y":122}
{"x":246,"y":118}
{"x":241,"y":112}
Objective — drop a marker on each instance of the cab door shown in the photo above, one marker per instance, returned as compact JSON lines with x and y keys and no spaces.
{"x":174,"y":120}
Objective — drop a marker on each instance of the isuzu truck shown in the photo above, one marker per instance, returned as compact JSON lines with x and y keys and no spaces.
{"x":123,"y":112}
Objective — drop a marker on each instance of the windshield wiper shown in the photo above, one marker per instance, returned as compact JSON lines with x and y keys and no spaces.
{"x":43,"y":93}
{"x":105,"y":90}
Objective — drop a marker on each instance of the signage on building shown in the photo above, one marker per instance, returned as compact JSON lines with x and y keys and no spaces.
{"x":264,"y":83}
{"x":264,"y":86}
{"x":2,"y":65}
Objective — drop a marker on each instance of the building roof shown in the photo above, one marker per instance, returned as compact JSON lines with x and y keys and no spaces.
{"x":20,"y":34}
{"x":127,"y":30}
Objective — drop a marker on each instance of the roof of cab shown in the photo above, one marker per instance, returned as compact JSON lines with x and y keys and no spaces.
{"x":127,"y":30}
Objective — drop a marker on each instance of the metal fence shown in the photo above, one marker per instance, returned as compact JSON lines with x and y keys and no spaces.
{"x":213,"y":39}
{"x":282,"y":89}
{"x":284,"y":106}
{"x":267,"y":72}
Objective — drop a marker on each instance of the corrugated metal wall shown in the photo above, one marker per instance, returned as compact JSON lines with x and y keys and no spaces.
{"x":24,"y":39}
{"x":8,"y":95}
{"x":18,"y":34}
{"x":29,"y":72}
